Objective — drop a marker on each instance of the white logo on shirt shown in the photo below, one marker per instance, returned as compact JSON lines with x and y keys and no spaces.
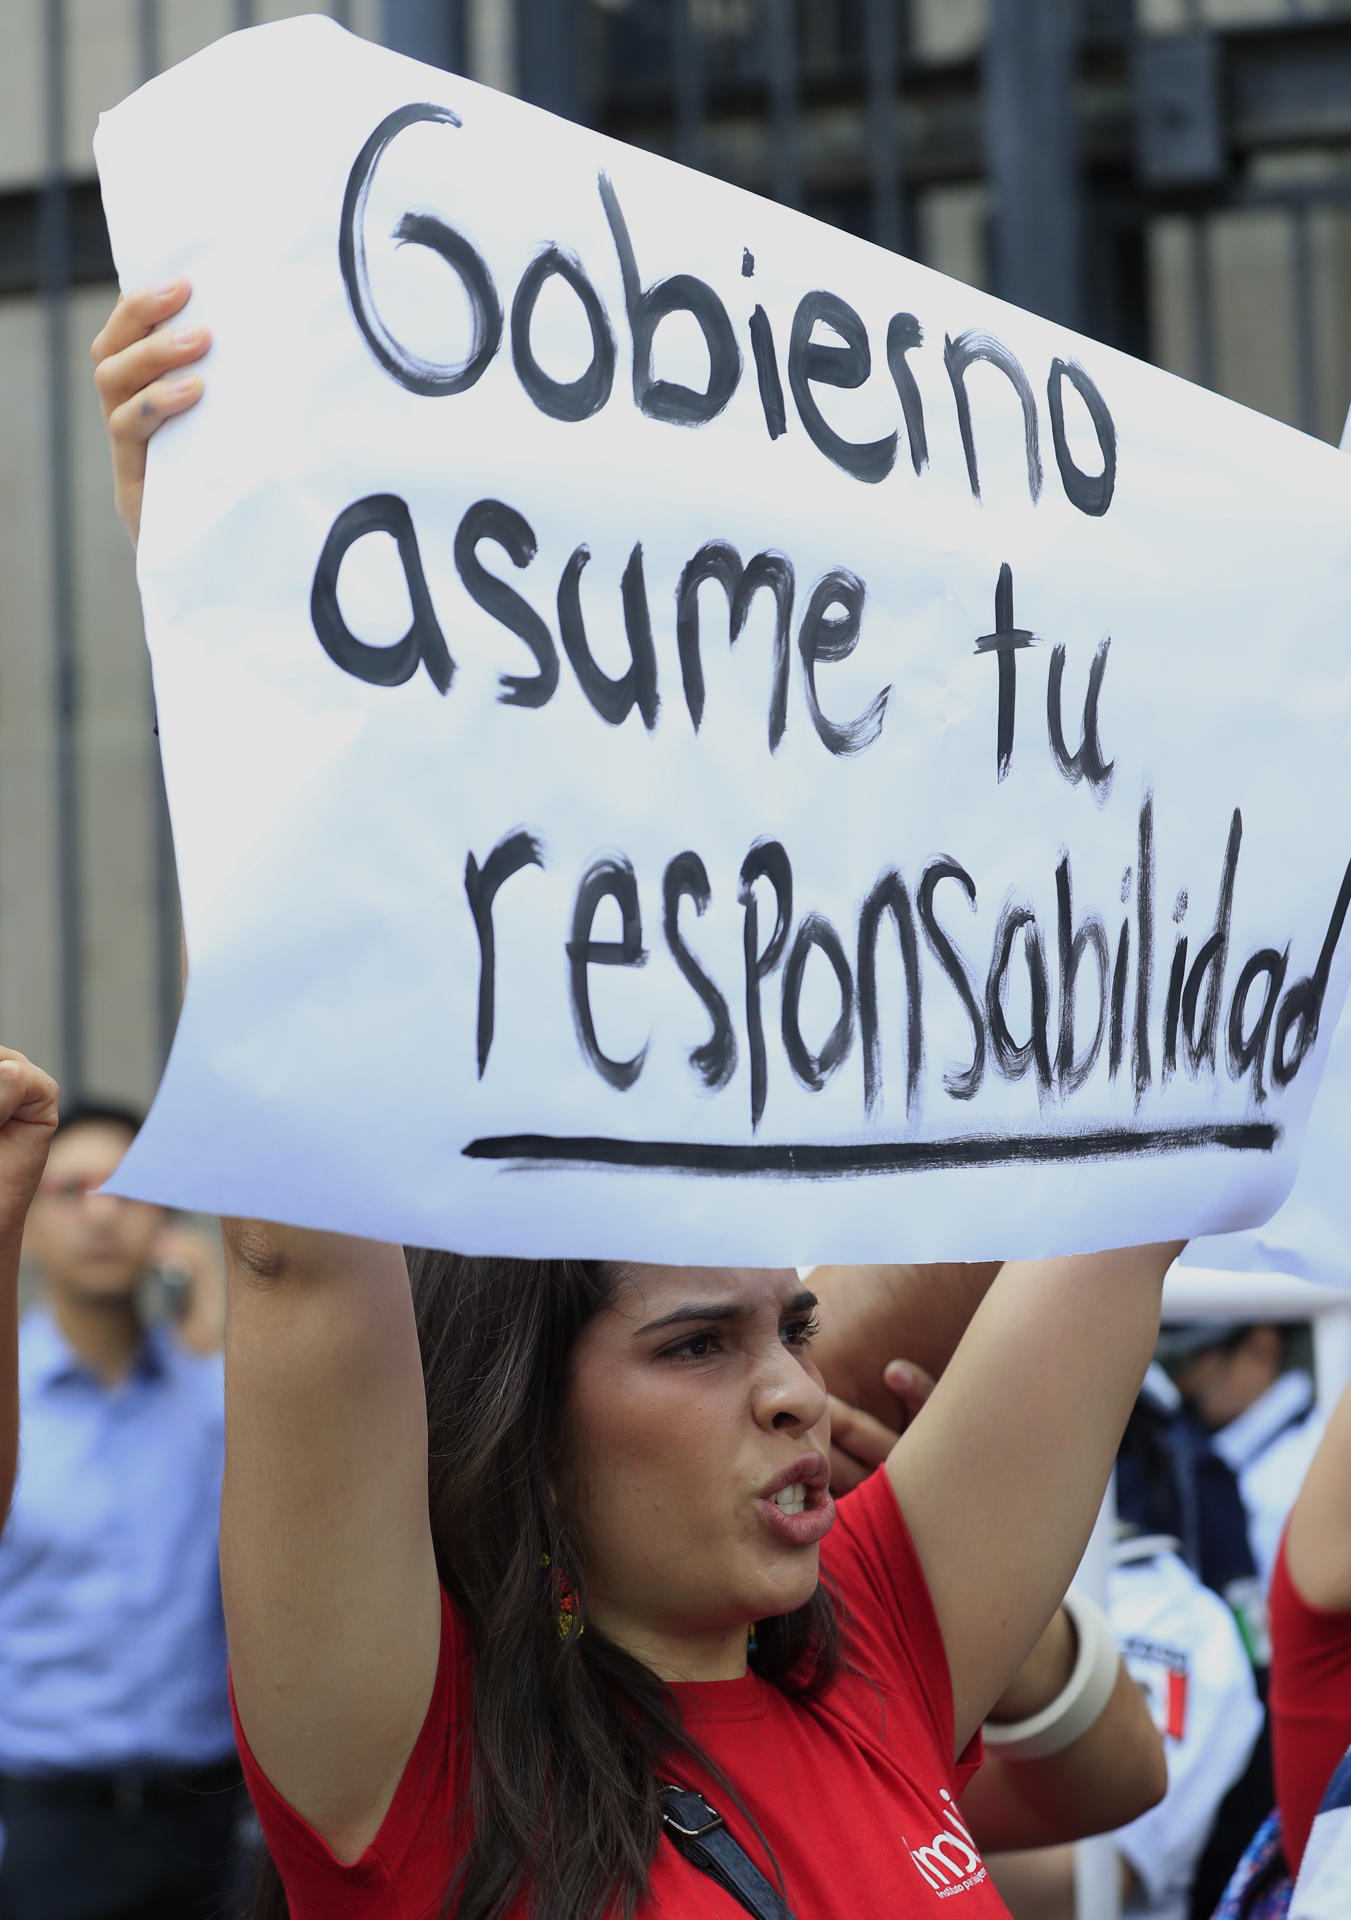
{"x":950,"y":1863}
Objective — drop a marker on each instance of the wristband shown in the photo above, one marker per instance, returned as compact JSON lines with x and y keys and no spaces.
{"x":1080,"y":1700}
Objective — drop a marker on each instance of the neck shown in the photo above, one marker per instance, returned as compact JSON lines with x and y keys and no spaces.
{"x":106,"y":1334}
{"x":675,"y":1656}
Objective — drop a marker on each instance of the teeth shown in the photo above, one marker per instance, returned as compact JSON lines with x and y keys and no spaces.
{"x":792,"y":1499}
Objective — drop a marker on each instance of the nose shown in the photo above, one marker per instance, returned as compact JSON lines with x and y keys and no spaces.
{"x":102,"y":1208}
{"x":789,"y":1394}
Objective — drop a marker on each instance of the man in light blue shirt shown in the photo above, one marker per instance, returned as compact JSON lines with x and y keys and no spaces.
{"x":118,"y":1779}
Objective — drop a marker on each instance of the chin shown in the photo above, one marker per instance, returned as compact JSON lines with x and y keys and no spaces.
{"x":106,"y":1289}
{"x":787,"y":1594}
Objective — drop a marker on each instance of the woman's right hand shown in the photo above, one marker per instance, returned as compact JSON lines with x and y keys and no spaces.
{"x":138,"y":364}
{"x":28,"y":1112}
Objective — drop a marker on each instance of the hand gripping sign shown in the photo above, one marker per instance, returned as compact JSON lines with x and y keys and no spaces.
{"x":692,"y":737}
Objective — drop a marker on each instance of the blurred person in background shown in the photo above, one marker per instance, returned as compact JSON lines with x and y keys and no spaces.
{"x":189,"y":1262}
{"x":1172,"y":1482}
{"x":1182,"y":1647}
{"x":119,"y":1784}
{"x":1259,"y":1410}
{"x":1299,"y":1863}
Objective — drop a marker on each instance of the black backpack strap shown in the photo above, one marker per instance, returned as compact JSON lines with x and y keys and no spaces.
{"x":696,"y":1830}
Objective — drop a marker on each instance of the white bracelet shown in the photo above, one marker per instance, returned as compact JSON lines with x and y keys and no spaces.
{"x":1080,"y":1700}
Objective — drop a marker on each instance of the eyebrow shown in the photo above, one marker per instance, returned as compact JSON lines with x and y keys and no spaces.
{"x":723,"y":1311}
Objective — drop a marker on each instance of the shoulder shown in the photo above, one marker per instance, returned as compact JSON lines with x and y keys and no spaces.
{"x":1307,"y":1641}
{"x":891,"y":1632}
{"x":869,"y":1536}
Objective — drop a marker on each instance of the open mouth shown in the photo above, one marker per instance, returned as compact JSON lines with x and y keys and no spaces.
{"x":796,"y":1504}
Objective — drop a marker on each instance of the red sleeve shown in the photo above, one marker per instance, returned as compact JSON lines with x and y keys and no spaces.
{"x":893,"y":1632}
{"x":391,"y":1876}
{"x":1310,"y":1703}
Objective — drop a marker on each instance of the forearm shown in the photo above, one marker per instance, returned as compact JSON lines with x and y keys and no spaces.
{"x":9,"y":1369}
{"x":1040,"y":1885}
{"x":327,"y":1571}
{"x":1018,"y":1439}
{"x":324,"y":1401}
{"x":28,"y":1109}
{"x":1318,"y":1538}
{"x":1112,"y":1773}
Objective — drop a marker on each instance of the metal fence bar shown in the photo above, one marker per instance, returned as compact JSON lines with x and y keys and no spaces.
{"x":1033,"y":163}
{"x":548,"y":55}
{"x":687,"y":66}
{"x":243,"y":14}
{"x":881,"y":56}
{"x":427,"y":30}
{"x":1097,"y":1867}
{"x":147,"y":38}
{"x":1203,"y":304}
{"x":1306,"y":321}
{"x":55,"y":257}
{"x":781,"y":59}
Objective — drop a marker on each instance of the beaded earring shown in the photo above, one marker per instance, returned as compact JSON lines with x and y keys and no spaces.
{"x":564,"y":1599}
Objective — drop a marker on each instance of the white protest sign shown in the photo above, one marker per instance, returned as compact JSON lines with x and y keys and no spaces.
{"x":692,"y":737}
{"x":1309,"y":1235}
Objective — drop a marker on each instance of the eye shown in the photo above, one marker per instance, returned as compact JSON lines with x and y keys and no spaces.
{"x":695,"y":1346}
{"x":800,"y":1332}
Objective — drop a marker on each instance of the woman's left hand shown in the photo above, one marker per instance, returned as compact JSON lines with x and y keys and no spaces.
{"x":859,"y":1443}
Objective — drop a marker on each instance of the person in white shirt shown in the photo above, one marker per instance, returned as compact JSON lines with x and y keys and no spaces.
{"x":1181,"y":1646}
{"x":1260,"y":1413}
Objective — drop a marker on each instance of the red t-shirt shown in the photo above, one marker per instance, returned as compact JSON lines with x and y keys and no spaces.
{"x":1309,"y":1702}
{"x":855,"y":1793}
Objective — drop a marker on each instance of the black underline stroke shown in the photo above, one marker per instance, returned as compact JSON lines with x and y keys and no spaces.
{"x":532,"y":1152}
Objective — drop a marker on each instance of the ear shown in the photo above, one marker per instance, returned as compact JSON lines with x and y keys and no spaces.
{"x":1265,"y":1344}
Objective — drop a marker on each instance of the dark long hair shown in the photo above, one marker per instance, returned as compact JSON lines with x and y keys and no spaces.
{"x":570,"y":1734}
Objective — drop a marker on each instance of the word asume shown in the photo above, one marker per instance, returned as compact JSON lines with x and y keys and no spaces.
{"x":811,"y":363}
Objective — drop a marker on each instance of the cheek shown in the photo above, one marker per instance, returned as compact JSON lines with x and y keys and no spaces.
{"x":643,"y":1451}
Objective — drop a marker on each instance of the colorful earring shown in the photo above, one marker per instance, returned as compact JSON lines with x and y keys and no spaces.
{"x":566,"y":1601}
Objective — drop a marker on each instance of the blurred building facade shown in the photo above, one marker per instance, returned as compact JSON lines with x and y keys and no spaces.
{"x":1172,"y":176}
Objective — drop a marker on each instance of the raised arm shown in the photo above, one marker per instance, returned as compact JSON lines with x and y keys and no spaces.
{"x":28,"y":1105}
{"x":1001,"y":1481}
{"x":1318,"y":1534}
{"x":1115,"y":1769}
{"x":331,"y":1595}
